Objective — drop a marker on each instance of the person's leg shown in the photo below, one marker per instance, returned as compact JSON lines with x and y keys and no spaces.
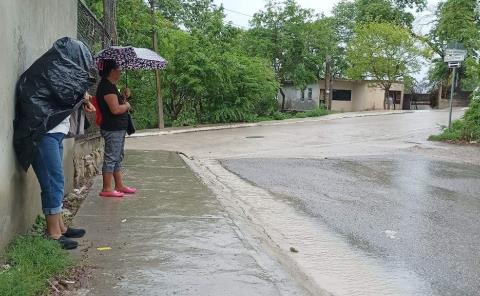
{"x":63,"y":228}
{"x":110,"y":159}
{"x":117,"y":174}
{"x":53,"y":226}
{"x":107,"y":181}
{"x":61,"y":224}
{"x":48,"y":167}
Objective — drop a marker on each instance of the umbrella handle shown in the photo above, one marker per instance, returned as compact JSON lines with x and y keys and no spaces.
{"x":126,"y":77}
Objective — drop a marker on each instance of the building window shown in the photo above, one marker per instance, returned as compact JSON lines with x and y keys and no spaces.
{"x":310,"y":94}
{"x":342,"y":95}
{"x":302,"y":95}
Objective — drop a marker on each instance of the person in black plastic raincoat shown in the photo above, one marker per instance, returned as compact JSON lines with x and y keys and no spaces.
{"x":51,"y":100}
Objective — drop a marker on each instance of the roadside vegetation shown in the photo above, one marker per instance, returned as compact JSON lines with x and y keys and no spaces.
{"x":465,"y":130}
{"x":219,"y":72}
{"x":291,"y":115}
{"x":30,"y":262}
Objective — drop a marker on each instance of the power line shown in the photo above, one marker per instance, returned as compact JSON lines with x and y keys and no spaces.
{"x":237,"y":12}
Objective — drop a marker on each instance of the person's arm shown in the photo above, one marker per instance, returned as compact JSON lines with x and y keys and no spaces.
{"x":127,"y":93}
{"x":87,"y":104}
{"x":114,"y":106}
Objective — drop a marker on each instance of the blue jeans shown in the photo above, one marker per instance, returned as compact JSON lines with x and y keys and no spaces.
{"x":48,"y":166}
{"x":114,"y":146}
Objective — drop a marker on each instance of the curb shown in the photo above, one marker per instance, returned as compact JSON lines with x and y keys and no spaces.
{"x":266,"y":123}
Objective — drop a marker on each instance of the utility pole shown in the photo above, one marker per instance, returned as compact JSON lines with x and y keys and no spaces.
{"x":454,"y":55}
{"x":451,"y":97}
{"x":110,"y":19}
{"x":161,"y":121}
{"x":328,"y":82}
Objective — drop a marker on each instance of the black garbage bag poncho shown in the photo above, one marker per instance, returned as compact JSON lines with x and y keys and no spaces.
{"x":48,"y":92}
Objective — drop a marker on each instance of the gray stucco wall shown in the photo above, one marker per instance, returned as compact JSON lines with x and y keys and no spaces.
{"x":28,"y":29}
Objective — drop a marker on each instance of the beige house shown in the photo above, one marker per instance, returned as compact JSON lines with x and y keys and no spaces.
{"x":348,"y":96}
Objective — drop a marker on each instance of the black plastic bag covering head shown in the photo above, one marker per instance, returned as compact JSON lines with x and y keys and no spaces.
{"x":48,"y":92}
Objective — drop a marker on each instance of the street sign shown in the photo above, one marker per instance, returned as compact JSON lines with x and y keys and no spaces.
{"x":454,"y":64}
{"x":455,"y":55}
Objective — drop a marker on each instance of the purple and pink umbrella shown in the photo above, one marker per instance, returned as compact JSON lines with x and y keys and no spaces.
{"x":131,"y":58}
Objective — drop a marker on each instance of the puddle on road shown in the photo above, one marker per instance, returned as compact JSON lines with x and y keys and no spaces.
{"x":325,"y":263}
{"x":415,"y":217}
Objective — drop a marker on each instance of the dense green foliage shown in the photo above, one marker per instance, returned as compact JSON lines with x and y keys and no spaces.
{"x":210,"y":77}
{"x":220,"y":73}
{"x":466,"y":129}
{"x":457,"y":21}
{"x":382,"y":52}
{"x":33,"y":260}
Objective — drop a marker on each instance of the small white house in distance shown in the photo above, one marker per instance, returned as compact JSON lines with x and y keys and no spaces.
{"x":348,"y":95}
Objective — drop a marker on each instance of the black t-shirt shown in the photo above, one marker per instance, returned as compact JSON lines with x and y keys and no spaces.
{"x":110,"y":121}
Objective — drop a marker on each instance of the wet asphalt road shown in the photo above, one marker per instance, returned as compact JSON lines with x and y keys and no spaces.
{"x":413,"y":212}
{"x":376,"y":181}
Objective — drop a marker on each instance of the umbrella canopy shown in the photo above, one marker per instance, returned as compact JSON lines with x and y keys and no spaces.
{"x":132,"y":58}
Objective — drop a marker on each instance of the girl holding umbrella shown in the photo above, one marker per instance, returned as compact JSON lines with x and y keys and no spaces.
{"x":114,"y":107}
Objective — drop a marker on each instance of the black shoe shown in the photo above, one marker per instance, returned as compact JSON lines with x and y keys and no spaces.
{"x":74,"y":233}
{"x":67,"y":244}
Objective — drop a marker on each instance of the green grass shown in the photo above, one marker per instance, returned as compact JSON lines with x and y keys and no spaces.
{"x":33,"y":260}
{"x":283,"y":116}
{"x":466,"y":129}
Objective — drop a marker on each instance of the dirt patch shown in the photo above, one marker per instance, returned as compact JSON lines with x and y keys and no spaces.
{"x":72,"y":283}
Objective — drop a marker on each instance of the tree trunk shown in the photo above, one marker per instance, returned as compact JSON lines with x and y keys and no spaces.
{"x":328,"y":83}
{"x":320,"y":94}
{"x":283,"y":99}
{"x":161,"y":122}
{"x":386,"y":100}
{"x":110,"y":19}
{"x":330,"y":94}
{"x":440,"y":94}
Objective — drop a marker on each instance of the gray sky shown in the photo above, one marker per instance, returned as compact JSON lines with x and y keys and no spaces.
{"x":239,"y":11}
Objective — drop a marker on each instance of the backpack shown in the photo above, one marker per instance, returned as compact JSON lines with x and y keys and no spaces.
{"x":98,"y":113}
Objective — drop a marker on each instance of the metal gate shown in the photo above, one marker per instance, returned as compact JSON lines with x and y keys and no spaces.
{"x":92,"y":32}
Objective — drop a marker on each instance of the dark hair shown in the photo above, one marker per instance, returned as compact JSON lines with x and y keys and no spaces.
{"x":107,"y":67}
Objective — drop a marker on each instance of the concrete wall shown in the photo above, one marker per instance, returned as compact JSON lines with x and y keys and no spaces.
{"x":87,"y":158}
{"x":375,"y":96}
{"x":294,"y":98}
{"x":343,"y":106}
{"x":28,"y":29}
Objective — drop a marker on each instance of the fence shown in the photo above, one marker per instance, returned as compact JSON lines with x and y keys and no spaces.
{"x":92,"y":32}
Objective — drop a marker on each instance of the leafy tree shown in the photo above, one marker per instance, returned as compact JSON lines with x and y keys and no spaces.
{"x":347,"y":15}
{"x":210,"y":76}
{"x":345,"y":20}
{"x":418,"y":4}
{"x":384,"y":53}
{"x":294,"y":40}
{"x":457,"y":21}
{"x":382,"y":11}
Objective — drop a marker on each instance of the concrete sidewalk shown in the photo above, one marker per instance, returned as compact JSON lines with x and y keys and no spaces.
{"x":172,"y":238}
